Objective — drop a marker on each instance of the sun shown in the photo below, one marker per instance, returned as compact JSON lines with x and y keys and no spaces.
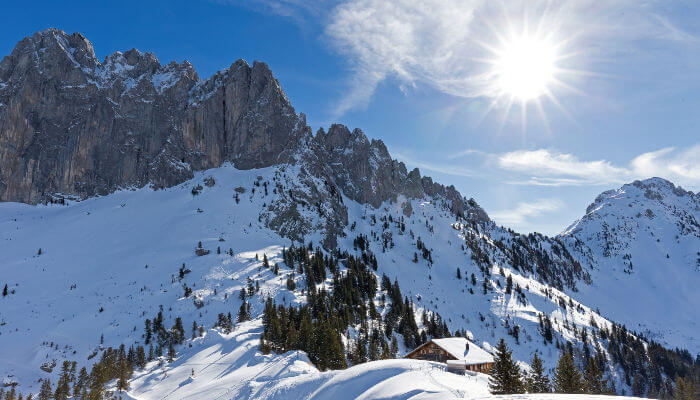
{"x":527,"y":62}
{"x":524,"y":67}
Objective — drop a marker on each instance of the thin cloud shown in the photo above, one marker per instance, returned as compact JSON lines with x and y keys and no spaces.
{"x":682,"y":166}
{"x":543,"y":167}
{"x":444,"y":43}
{"x":554,"y":168}
{"x":550,"y":168}
{"x":524,"y":211}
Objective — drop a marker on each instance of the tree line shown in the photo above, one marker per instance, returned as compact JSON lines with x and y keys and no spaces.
{"x":506,"y":377}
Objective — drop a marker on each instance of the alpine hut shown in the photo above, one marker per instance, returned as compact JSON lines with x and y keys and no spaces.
{"x":458,"y":353}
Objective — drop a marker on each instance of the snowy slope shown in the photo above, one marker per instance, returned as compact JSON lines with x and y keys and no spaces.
{"x":108,"y":263}
{"x":231,"y":367}
{"x":228,"y":367}
{"x":641,"y":244}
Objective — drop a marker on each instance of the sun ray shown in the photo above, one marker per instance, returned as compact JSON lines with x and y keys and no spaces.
{"x":543,"y":116}
{"x":527,"y":63}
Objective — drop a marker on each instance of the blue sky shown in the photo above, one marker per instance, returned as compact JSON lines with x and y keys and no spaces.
{"x":622,"y":103}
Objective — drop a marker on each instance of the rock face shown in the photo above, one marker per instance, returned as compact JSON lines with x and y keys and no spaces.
{"x":71,"y":126}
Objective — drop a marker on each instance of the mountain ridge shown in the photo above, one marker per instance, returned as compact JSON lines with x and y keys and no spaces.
{"x":154,"y":124}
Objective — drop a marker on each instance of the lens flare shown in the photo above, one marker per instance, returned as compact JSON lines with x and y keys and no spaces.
{"x":524,"y":68}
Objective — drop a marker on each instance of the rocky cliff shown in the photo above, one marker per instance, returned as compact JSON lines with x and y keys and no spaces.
{"x":72,"y":126}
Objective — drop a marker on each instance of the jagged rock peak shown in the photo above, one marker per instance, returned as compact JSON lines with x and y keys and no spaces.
{"x":70,"y":125}
{"x":73,"y":126}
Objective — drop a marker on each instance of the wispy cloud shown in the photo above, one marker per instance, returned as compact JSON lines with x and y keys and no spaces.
{"x":683,"y":166}
{"x":544,"y":167}
{"x":444,"y":43}
{"x":524,"y":211}
{"x":550,"y":168}
{"x":299,"y":11}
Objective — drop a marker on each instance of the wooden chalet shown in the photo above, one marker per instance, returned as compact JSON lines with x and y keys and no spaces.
{"x":458,"y":353}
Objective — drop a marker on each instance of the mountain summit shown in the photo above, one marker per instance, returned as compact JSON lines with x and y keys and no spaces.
{"x":641,"y":244}
{"x":73,"y":127}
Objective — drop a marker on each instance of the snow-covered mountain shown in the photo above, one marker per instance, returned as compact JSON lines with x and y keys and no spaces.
{"x":641,"y":245}
{"x":200,"y":200}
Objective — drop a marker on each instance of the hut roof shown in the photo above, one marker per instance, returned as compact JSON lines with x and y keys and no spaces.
{"x":464,"y":350}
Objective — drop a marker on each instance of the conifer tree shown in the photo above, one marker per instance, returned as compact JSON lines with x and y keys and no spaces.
{"x":171,"y":352}
{"x":567,"y":377}
{"x":243,"y":312}
{"x":593,"y":378}
{"x":81,"y":383}
{"x":140,"y":357}
{"x":4,"y":291}
{"x":394,"y":347}
{"x":178,"y":331}
{"x":45,"y":393}
{"x":124,"y":373}
{"x":148,"y":332}
{"x":505,"y":374}
{"x":537,"y":381}
{"x":62,"y":387}
{"x":684,"y":389}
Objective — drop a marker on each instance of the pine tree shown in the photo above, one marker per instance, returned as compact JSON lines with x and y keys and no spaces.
{"x":505,"y":374}
{"x":4,"y":291}
{"x":178,"y":331}
{"x":394,"y":347}
{"x":124,"y":374}
{"x":537,"y":381}
{"x":81,"y":383}
{"x":140,"y":357}
{"x":243,"y":312}
{"x":567,"y":377}
{"x":62,"y":387}
{"x":148,"y":331}
{"x":45,"y":393}
{"x":593,"y":378}
{"x":684,"y":389}
{"x":171,"y":352}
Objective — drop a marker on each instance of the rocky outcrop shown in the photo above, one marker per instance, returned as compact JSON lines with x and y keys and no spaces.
{"x":72,"y":126}
{"x":366,"y":173}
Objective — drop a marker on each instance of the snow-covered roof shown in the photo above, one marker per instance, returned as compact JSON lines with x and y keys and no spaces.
{"x":457,"y":347}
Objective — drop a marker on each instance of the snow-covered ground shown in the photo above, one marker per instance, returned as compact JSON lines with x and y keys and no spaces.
{"x":641,"y":243}
{"x":108,"y":263}
{"x":230,"y":367}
